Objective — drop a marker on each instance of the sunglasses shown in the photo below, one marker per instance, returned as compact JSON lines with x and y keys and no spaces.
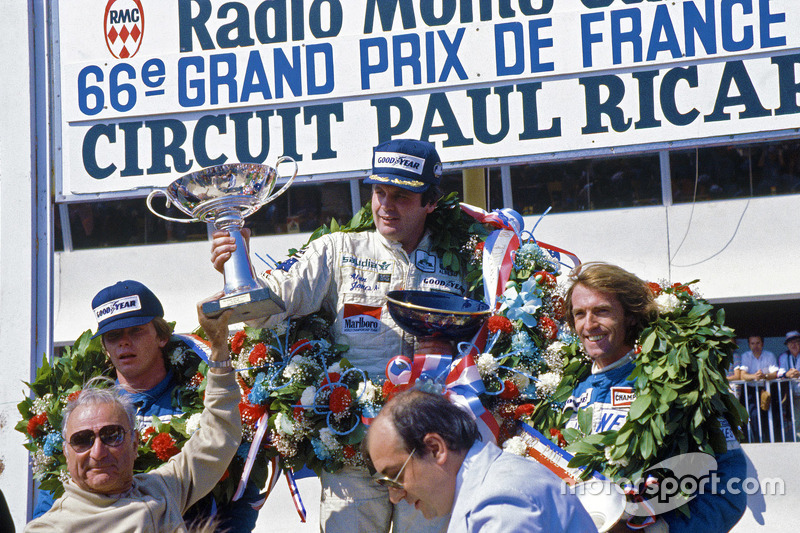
{"x":112,"y":435}
{"x":390,"y":483}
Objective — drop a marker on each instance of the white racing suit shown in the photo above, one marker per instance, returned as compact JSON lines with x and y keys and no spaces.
{"x":349,"y":274}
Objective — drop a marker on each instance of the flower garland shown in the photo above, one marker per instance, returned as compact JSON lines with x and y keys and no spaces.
{"x":681,"y":359}
{"x":59,"y":383}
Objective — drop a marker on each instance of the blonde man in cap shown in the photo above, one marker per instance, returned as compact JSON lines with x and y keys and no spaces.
{"x":349,"y":275}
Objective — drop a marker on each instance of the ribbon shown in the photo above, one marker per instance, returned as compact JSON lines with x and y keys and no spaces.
{"x":295,"y":492}
{"x":460,"y":379}
{"x":274,"y":469}
{"x":261,"y":431}
{"x":198,"y":345}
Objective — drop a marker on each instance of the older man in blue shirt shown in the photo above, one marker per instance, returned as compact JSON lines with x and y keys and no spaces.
{"x":428,"y":452}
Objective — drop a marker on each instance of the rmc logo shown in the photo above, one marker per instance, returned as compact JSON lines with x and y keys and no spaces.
{"x":124,"y":27}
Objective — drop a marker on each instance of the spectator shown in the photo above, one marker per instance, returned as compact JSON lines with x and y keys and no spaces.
{"x":789,"y":364}
{"x":608,"y":308}
{"x":428,"y":452}
{"x":349,"y":274}
{"x":761,"y":367}
{"x":101,"y":444}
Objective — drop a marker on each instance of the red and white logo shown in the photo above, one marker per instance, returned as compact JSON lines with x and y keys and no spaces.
{"x":124,"y":27}
{"x":622,"y":396}
{"x":361,"y":318}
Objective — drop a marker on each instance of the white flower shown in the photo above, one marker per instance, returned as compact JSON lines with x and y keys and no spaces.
{"x":294,"y":365}
{"x":553,"y":356}
{"x":307,"y":398}
{"x":487,"y":364}
{"x":40,"y":404}
{"x":193,"y":423}
{"x":328,"y":439}
{"x":367,"y":392}
{"x":620,"y":462}
{"x":667,"y":303}
{"x":335,"y":368}
{"x":177,"y":356}
{"x":279,"y":329}
{"x":516,"y":446}
{"x":548,"y":383}
{"x":520,"y":380}
{"x":284,"y":424}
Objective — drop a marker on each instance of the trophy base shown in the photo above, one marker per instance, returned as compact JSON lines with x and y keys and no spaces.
{"x":248,"y":305}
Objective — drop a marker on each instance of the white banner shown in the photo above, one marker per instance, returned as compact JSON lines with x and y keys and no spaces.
{"x":150,"y":90}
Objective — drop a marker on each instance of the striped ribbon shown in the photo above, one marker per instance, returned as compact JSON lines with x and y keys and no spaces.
{"x":261,"y":431}
{"x":298,"y":502}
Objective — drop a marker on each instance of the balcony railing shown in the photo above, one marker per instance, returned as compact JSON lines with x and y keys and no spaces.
{"x":775,"y":418}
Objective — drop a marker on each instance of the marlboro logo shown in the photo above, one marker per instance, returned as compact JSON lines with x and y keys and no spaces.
{"x":361,"y":318}
{"x":622,"y":396}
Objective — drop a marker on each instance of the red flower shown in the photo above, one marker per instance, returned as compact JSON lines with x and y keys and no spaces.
{"x":680,"y":287}
{"x":545,"y":279}
{"x":238,"y":341}
{"x":73,"y":396}
{"x":526,"y":409}
{"x":388,"y":389}
{"x":35,"y":424}
{"x":301,"y":345}
{"x":479,"y":247}
{"x":251,"y":413}
{"x":655,"y":288}
{"x":510,"y":392}
{"x":331,"y":377}
{"x":258,"y":353}
{"x":196,"y":380}
{"x":348,"y":451}
{"x":499,"y":323}
{"x":340,"y":400}
{"x":562,"y":442}
{"x":164,"y":446}
{"x":548,"y":327}
{"x":506,"y":409}
{"x":148,"y":432}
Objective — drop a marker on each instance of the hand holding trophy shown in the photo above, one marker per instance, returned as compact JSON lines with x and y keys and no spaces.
{"x":225,"y":195}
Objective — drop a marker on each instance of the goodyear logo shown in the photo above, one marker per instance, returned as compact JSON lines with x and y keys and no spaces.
{"x":399,"y":161}
{"x":117,"y":307}
{"x":124,"y":27}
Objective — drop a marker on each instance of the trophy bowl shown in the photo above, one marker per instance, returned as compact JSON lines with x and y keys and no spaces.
{"x":436,"y":314}
{"x":224,"y":195}
{"x":603,"y":500}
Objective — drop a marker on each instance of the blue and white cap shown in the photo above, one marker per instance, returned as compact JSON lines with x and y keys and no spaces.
{"x":124,"y":305}
{"x":406,"y":163}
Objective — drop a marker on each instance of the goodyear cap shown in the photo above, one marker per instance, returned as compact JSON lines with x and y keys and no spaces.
{"x":406,"y":163}
{"x":123,"y":305}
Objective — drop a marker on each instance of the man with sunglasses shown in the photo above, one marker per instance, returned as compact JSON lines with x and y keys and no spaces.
{"x":134,"y":335}
{"x":101,"y":443}
{"x":427,"y":451}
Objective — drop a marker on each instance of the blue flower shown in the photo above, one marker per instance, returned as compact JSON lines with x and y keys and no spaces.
{"x":523,"y":305}
{"x":320,"y":450}
{"x":259,"y":394}
{"x":53,"y":443}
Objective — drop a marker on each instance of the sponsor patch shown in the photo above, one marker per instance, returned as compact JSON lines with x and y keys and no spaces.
{"x":575,"y":403}
{"x":384,"y":278}
{"x":124,"y":27}
{"x":396,"y":160}
{"x":425,"y":261}
{"x":361,"y":318}
{"x":367,"y":264}
{"x":117,"y":307}
{"x":622,"y":396}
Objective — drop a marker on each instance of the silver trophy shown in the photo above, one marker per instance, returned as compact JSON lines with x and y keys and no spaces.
{"x":225,"y":195}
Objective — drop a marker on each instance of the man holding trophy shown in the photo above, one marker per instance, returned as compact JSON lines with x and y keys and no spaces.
{"x":350,"y":274}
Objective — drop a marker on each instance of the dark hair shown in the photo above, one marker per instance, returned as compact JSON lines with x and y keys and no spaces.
{"x":431,"y":195}
{"x":760,"y":337}
{"x":416,"y":413}
{"x":632,"y":293}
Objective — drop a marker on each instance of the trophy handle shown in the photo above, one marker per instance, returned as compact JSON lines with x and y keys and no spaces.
{"x":165,"y":217}
{"x":282,"y":159}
